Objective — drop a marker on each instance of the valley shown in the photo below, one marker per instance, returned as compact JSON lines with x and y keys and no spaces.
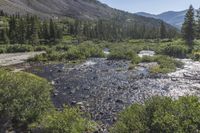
{"x":81,"y":66}
{"x":175,"y":18}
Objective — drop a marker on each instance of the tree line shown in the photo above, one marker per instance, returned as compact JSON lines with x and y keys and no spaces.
{"x":117,"y":30}
{"x":32,"y":30}
{"x":29,"y":30}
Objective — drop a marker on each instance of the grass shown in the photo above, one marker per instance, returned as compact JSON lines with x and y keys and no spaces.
{"x":126,"y":50}
{"x":165,"y":64}
{"x":70,"y":52}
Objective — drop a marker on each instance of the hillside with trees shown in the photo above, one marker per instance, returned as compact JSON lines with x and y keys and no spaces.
{"x":28,"y":29}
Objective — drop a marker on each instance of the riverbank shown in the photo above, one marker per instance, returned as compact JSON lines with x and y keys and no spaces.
{"x":105,"y":87}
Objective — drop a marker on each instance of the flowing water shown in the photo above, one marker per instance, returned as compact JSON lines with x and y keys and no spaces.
{"x":105,"y":87}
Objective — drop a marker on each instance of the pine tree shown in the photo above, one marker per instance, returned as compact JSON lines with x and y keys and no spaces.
{"x":22,"y":31}
{"x":5,"y":37}
{"x":34,"y":38}
{"x":198,"y":24}
{"x":188,"y":27}
{"x":45,"y":31}
{"x":28,"y":28}
{"x":2,"y":13}
{"x":12,"y":30}
{"x":59,"y":33}
{"x":52,"y":31}
{"x":163,"y":31}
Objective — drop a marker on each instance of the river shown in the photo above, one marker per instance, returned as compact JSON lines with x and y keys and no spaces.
{"x":105,"y":87}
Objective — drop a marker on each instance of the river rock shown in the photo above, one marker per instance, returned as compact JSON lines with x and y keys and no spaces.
{"x":111,"y":91}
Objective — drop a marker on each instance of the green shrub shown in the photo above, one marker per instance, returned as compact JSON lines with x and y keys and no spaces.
{"x":135,"y":59}
{"x":121,"y":53}
{"x":19,"y":48}
{"x":160,"y":115}
{"x":84,"y":51}
{"x":23,"y":98}
{"x":165,"y":64}
{"x":67,"y":121}
{"x":3,"y":50}
{"x":178,"y":51}
{"x":147,"y":59}
{"x":62,"y":47}
{"x":41,"y":57}
{"x":55,"y":55}
{"x":196,"y":56}
{"x":41,"y":48}
{"x":74,"y":54}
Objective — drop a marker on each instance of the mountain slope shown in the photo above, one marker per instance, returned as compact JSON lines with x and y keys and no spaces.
{"x":89,"y":9}
{"x":79,"y":9}
{"x":174,"y":18}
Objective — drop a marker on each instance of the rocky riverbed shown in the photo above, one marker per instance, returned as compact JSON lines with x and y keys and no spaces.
{"x":104,"y":87}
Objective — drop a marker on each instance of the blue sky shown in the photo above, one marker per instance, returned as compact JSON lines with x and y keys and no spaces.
{"x":152,"y":6}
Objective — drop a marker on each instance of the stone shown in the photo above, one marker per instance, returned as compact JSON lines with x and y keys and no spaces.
{"x":73,"y":103}
{"x":119,"y":88}
{"x":112,"y":91}
{"x":119,"y":101}
{"x":79,"y":103}
{"x":55,"y":94}
{"x":114,"y":119}
{"x":83,"y":108}
{"x":73,"y":91}
{"x":59,"y":71}
{"x":53,"y":82}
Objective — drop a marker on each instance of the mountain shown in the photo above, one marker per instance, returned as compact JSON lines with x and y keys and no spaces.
{"x":171,"y":17}
{"x":79,"y":9}
{"x":84,"y":9}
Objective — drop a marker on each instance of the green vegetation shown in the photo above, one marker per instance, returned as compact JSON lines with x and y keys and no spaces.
{"x":161,"y":115}
{"x":67,"y":121}
{"x":198,"y":24}
{"x":122,"y":53}
{"x":25,"y":103}
{"x":188,"y":28}
{"x":29,"y":30}
{"x":196,"y":56}
{"x":32,"y":30}
{"x":23,"y":98}
{"x":71,"y":52}
{"x":163,"y":32}
{"x":176,"y":49}
{"x":165,"y":64}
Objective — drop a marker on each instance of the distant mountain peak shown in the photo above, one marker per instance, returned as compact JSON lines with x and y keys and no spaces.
{"x":174,"y":18}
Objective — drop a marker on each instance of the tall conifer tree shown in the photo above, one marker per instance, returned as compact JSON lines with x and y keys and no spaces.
{"x":163,"y":31}
{"x":198,"y":24}
{"x":188,"y":30}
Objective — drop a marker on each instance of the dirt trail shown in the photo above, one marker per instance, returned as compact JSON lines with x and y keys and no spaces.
{"x":16,"y":58}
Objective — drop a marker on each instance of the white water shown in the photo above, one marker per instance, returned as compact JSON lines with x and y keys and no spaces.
{"x":88,"y":63}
